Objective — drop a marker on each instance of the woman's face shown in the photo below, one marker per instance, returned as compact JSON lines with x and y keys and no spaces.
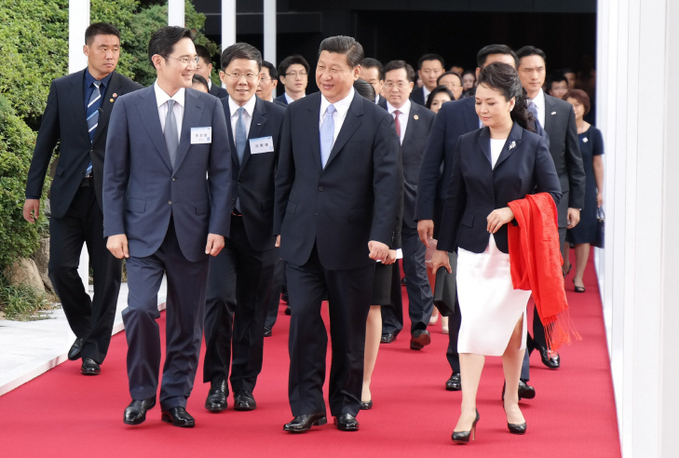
{"x":492,"y":107}
{"x":468,"y":81}
{"x":578,"y":108}
{"x":439,"y":99}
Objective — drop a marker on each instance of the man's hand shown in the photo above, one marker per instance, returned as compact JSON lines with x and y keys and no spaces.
{"x":31,"y":210}
{"x":215,"y":243}
{"x":440,"y":259}
{"x":391,"y":258}
{"x":278,"y":241}
{"x":117,"y":245}
{"x":378,"y":250}
{"x":498,"y":218}
{"x":425,"y":227}
{"x":573,"y":217}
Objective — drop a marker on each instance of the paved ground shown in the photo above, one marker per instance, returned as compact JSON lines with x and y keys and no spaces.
{"x":30,"y":348}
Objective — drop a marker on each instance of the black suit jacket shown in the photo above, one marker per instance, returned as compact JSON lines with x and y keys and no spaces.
{"x":420,"y":122}
{"x":218,"y":91}
{"x":281,"y":99}
{"x":64,"y":121}
{"x":417,"y":96}
{"x":351,"y":201}
{"x":476,"y":189}
{"x":253,"y":181}
{"x":565,"y":148}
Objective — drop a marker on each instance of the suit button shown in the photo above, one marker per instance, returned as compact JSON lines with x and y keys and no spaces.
{"x":169,"y":202}
{"x":233,"y":201}
{"x":239,"y":181}
{"x":320,"y":188}
{"x":174,"y":179}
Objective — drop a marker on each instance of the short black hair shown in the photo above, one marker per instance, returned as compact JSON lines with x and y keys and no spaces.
{"x":163,"y":40}
{"x":369,"y":62}
{"x":486,"y":51}
{"x":437,"y":90}
{"x":438,"y":80}
{"x":199,"y":79}
{"x":100,"y":28}
{"x":531,"y":51}
{"x":203,"y":53}
{"x":273,"y":73}
{"x":398,"y":64}
{"x":556,"y":77}
{"x":342,"y":44}
{"x":241,"y":51}
{"x":365,"y":89}
{"x":291,"y":60}
{"x":430,"y":57}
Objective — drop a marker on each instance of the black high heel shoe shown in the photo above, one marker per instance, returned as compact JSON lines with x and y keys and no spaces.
{"x":515,"y":428}
{"x":463,"y":436}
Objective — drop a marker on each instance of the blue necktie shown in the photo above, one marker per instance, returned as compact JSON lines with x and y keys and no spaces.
{"x":171,"y":136}
{"x":241,"y":135}
{"x":327,"y":134}
{"x":533,"y":109}
{"x":92,"y":116}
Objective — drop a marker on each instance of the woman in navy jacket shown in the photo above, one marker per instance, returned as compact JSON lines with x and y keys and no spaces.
{"x":497,"y":164}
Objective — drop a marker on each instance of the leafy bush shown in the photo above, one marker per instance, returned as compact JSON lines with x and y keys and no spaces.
{"x":21,"y":302}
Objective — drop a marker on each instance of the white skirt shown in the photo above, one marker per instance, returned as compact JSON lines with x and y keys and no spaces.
{"x":489,"y":305}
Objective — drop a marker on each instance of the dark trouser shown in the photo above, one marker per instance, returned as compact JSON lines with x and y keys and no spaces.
{"x":91,"y":320}
{"x":276,"y":288}
{"x":239,"y":289}
{"x":186,"y":286}
{"x":420,"y":298}
{"x":392,"y":314}
{"x":349,"y":293}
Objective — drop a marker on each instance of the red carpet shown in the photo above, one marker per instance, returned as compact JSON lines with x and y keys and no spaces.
{"x":63,"y":413}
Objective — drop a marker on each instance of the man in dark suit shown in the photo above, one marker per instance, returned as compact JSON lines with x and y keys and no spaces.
{"x":293,"y":72}
{"x":453,"y":120}
{"x":337,"y":198}
{"x":373,"y":72}
{"x":413,"y":123}
{"x":241,"y":275}
{"x":429,"y":68}
{"x":76,"y":117}
{"x":558,"y":119}
{"x":204,"y":69}
{"x":166,"y":209}
{"x":267,"y":82}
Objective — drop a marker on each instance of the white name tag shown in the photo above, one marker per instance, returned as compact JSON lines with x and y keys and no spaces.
{"x":261,"y":145}
{"x":201,"y":135}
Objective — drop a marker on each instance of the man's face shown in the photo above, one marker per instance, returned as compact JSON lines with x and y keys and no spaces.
{"x":430,"y":71}
{"x":372,"y":75}
{"x":532,"y":73}
{"x":266,"y":85}
{"x":102,"y":55}
{"x":334,"y":76}
{"x":452,"y":82}
{"x":176,"y":71}
{"x":295,"y":79}
{"x":241,"y":78}
{"x":558,"y":89}
{"x":570,"y":76}
{"x":397,"y":88}
{"x":204,"y":68}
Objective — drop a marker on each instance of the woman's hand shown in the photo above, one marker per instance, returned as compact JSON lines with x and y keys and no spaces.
{"x":440,"y":259}
{"x":498,"y":218}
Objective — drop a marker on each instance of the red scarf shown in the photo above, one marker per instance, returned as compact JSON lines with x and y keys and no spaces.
{"x":535,"y":262}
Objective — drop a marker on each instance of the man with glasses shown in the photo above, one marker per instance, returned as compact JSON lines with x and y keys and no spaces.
{"x":294,"y":76}
{"x":267,"y":82}
{"x":76,"y":117}
{"x":430,"y":67}
{"x":167,"y":178}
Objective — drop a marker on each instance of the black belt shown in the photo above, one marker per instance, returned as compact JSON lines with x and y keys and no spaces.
{"x":87,"y":182}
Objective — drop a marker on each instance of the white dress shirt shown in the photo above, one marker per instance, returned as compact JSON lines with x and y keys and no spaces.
{"x":247,"y":114}
{"x":403,"y":116}
{"x":290,"y":99}
{"x":539,"y":102}
{"x":342,"y":107}
{"x":161,"y":100}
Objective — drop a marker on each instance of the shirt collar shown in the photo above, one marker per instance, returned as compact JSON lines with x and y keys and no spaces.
{"x":539,"y":99}
{"x":249,"y":106}
{"x":405,"y":109}
{"x":342,"y":106}
{"x":89,"y":79}
{"x":162,"y":96}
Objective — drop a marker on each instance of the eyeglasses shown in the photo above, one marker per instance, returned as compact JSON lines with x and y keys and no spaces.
{"x":399,"y":85}
{"x":237,"y":76}
{"x":296,"y":74}
{"x":265,"y":79}
{"x":185,"y":60}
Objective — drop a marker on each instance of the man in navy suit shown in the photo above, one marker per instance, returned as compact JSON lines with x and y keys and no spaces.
{"x":429,"y":68}
{"x":453,"y":120}
{"x":413,"y":123}
{"x":240,"y":279}
{"x":166,"y":209}
{"x":337,"y":198}
{"x":204,"y":69}
{"x":373,"y":72}
{"x":293,"y":72}
{"x":76,"y":117}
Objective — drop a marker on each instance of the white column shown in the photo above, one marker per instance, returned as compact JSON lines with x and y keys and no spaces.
{"x":175,"y":13}
{"x":228,"y":23}
{"x":270,"y":31}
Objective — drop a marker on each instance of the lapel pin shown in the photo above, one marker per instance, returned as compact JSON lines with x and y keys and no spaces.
{"x":585,"y":140}
{"x":553,"y":113}
{"x":416,"y":117}
{"x":512,"y":145}
{"x":111,"y":100}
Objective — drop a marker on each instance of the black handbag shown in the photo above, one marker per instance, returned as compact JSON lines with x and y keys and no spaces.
{"x":600,"y":224}
{"x":445,"y":293}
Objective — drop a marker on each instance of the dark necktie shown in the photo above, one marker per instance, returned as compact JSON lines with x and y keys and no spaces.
{"x":92,"y":116}
{"x":171,"y":136}
{"x":327,"y":134}
{"x":241,"y":135}
{"x":533,"y":109}
{"x":398,"y":124}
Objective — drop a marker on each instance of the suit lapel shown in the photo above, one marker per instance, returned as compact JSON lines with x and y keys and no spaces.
{"x":256,"y":127}
{"x":413,"y":123}
{"x":313,"y":132}
{"x":229,"y":131}
{"x":470,"y":116}
{"x":148,"y":109}
{"x":484,"y":144}
{"x":549,"y":109}
{"x":77,"y":98}
{"x":109,"y":97}
{"x":512,"y":144}
{"x":192,"y":115}
{"x":351,"y":123}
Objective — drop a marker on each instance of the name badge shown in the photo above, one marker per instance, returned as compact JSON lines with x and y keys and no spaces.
{"x":201,"y":135}
{"x":261,"y":145}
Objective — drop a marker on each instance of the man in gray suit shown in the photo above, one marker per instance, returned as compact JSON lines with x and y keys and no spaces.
{"x":167,"y":177}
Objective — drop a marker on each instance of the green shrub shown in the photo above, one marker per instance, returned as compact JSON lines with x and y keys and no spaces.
{"x":21,"y":302}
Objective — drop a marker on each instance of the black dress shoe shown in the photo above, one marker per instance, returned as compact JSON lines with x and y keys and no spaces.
{"x":419,"y":339}
{"x":76,"y":348}
{"x":267,"y":332}
{"x":216,"y":397}
{"x":525,"y":390}
{"x":135,"y":413}
{"x":454,"y":383}
{"x":366,"y":405}
{"x":90,"y":367}
{"x":346,"y":422}
{"x":303,"y":423}
{"x":388,"y":337}
{"x":550,"y":359}
{"x":178,"y":416}
{"x":243,"y":401}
